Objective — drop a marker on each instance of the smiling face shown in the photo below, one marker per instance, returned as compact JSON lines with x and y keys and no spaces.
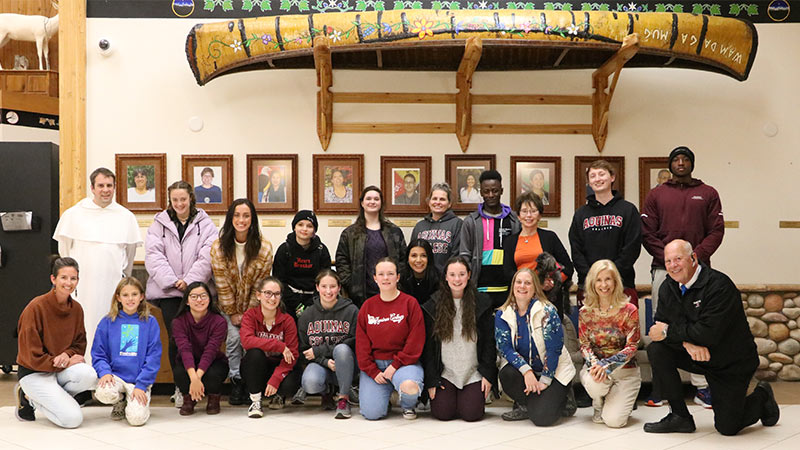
{"x":470,"y":181}
{"x":418,"y":260}
{"x":241,"y":218}
{"x":275,"y":178}
{"x":180,"y":201}
{"x":605,"y":284}
{"x":304,"y":230}
{"x":130,"y":297}
{"x":680,"y":263}
{"x":207,"y":179}
{"x":386,"y":276}
{"x":198,"y":300}
{"x":600,"y":180}
{"x":103,"y":190}
{"x":65,"y":281}
{"x":371,"y":202}
{"x":328,"y":289}
{"x":537,"y":180}
{"x":141,"y":181}
{"x":523,"y":286}
{"x":439,"y":203}
{"x":270,"y":296}
{"x":410,"y":185}
{"x":457,"y":277}
{"x":491,"y":190}
{"x":337,"y":179}
{"x":529,"y":215}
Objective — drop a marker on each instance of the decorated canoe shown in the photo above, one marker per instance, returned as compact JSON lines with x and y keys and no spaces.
{"x":435,"y":39}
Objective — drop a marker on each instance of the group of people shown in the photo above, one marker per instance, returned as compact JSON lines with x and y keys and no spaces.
{"x":466,"y":308}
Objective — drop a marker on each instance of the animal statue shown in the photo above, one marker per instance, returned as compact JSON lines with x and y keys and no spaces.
{"x":37,"y":29}
{"x":20,"y":62}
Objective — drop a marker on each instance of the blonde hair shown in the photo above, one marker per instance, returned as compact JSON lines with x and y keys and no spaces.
{"x":538,"y":293}
{"x":116,"y":307}
{"x":592,"y":300}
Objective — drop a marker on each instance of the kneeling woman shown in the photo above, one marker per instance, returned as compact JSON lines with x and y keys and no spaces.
{"x":459,"y":356}
{"x":269,"y":338}
{"x":536,"y":367}
{"x":51,"y":344}
{"x":608,"y":329}
{"x":126,"y":354}
{"x":199,"y":330}
{"x":327,"y":333}
{"x":389,"y":340}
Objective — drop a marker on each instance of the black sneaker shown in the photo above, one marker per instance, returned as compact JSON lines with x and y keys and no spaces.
{"x":84,"y":398}
{"x":518,"y":412}
{"x":24,"y":409}
{"x":238,"y":395}
{"x":771,"y":412}
{"x":672,"y":423}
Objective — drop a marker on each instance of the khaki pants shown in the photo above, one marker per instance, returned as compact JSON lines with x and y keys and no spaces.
{"x":135,"y":412}
{"x":615,"y":396}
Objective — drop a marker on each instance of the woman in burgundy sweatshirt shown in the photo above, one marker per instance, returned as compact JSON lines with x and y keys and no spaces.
{"x":269,"y":337}
{"x":389,"y":340}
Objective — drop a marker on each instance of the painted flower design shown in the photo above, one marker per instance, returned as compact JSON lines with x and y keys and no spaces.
{"x":632,"y":6}
{"x":483,"y":5}
{"x":236,"y":45}
{"x":369,"y":30}
{"x":573,"y":29}
{"x":386,"y":28}
{"x":527,"y":27}
{"x":459,"y":27}
{"x":548,"y":30}
{"x":423,"y":28}
{"x":336,"y":35}
{"x":266,"y":38}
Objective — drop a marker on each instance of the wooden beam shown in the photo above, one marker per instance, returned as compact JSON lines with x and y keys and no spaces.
{"x":389,"y":97}
{"x":530,"y":99}
{"x":498,"y":128}
{"x":469,"y":62}
{"x":601,"y":100}
{"x":477,"y":128}
{"x":322,"y":62}
{"x":72,"y":105}
{"x":358,"y":127}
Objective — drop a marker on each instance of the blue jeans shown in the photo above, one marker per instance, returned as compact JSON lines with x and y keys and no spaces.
{"x":374,"y":397}
{"x":233,"y":349}
{"x":51,"y":393}
{"x":317,"y":377}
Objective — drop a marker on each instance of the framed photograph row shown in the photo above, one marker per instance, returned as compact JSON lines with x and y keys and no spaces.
{"x":337,"y":181}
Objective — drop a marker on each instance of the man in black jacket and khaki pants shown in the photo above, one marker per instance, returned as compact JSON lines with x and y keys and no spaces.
{"x":701,"y":328}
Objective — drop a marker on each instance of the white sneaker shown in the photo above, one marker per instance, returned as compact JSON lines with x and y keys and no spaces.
{"x":409,"y":414}
{"x":255,"y":411}
{"x":177,"y":397}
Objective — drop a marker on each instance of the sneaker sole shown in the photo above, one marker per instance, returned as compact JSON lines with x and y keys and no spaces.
{"x":699,"y":401}
{"x":343,"y":416}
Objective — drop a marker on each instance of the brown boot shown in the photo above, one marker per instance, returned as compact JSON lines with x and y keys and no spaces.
{"x":187,"y":409}
{"x":212,"y":407}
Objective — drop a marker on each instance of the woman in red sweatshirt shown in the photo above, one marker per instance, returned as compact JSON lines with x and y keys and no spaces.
{"x":269,"y":337}
{"x":389,"y":340}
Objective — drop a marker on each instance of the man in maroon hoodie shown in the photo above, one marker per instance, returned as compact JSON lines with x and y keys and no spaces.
{"x":681,"y":208}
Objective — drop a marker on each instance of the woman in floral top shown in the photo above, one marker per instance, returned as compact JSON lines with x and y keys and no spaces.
{"x":608,"y":327}
{"x":535,"y":368}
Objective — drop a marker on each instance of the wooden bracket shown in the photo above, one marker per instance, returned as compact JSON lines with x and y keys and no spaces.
{"x":322,"y":63}
{"x":469,"y":62}
{"x":601,"y":100}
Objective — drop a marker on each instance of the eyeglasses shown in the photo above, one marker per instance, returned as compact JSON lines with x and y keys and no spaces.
{"x":525,"y":212}
{"x":270,"y":294}
{"x":196,"y":297}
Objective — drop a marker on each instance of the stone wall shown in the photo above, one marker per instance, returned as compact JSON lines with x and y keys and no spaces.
{"x":773,"y":321}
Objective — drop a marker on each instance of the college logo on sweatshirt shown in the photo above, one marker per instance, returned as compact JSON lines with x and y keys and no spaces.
{"x":268,"y":335}
{"x":393,"y":317}
{"x":439,"y":239}
{"x":318,"y":327}
{"x":129,"y":340}
{"x":604,"y":222}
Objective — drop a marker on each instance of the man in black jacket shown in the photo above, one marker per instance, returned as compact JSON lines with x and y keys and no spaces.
{"x":701,"y":328}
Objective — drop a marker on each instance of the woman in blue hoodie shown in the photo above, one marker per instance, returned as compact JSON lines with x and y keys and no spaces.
{"x":126,"y":354}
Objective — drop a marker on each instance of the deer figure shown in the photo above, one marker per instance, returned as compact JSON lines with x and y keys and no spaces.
{"x":37,"y":29}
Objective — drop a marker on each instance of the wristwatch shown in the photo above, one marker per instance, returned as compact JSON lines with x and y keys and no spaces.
{"x":664,"y":331}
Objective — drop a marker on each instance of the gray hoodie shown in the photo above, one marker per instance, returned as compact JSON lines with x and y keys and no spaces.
{"x":444,"y":235}
{"x":322,"y":329}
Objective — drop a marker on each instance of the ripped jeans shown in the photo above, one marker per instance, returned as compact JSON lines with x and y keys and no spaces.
{"x":374,"y":398}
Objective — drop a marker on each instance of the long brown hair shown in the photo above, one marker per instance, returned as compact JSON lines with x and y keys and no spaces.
{"x":446,"y":307}
{"x":144,"y":308}
{"x":538,"y":293}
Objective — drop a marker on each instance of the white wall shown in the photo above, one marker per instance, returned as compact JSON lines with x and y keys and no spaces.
{"x":140,"y":98}
{"x":9,"y":133}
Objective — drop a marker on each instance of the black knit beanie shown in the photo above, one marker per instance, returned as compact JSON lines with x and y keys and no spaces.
{"x":681,"y":151}
{"x":305,"y":214}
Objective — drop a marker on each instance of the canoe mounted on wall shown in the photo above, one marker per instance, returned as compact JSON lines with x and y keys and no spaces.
{"x":433,"y":40}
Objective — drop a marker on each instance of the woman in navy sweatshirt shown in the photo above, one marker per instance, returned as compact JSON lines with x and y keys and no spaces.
{"x":126,"y":354}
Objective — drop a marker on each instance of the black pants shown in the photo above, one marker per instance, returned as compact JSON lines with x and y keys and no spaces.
{"x":212,"y":379}
{"x":498,"y":298}
{"x":543,"y":409}
{"x":733,"y":408}
{"x":450,"y":402}
{"x":169,"y":309}
{"x":257,"y":368}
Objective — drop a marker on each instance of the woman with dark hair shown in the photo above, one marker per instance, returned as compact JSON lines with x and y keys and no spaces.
{"x":327,"y":333}
{"x":239,"y":259}
{"x":441,"y":228}
{"x":140,"y":191}
{"x":51,"y":343}
{"x":536,"y":186}
{"x":535,"y":368}
{"x":275,"y":191}
{"x":177,"y":253}
{"x":421,"y":279}
{"x":200,"y":367}
{"x":389,"y":339}
{"x":364,"y":243}
{"x":269,"y":337}
{"x":459,"y":356}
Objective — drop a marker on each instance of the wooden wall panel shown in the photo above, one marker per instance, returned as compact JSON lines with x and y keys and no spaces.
{"x":28,"y":49}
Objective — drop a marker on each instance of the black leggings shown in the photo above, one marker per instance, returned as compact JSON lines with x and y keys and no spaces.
{"x":543,"y":409}
{"x":257,"y":368}
{"x":212,"y":379}
{"x":169,"y":309}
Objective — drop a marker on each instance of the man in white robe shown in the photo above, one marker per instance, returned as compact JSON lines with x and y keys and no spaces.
{"x":102,"y":236}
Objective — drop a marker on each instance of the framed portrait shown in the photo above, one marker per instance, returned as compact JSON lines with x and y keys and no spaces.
{"x":272,"y":183}
{"x":541,"y":175}
{"x":406,"y":183}
{"x":462,"y":172}
{"x":338,"y":181}
{"x":652,"y":172}
{"x":582,"y":164}
{"x":212,"y":179}
{"x":142,"y":181}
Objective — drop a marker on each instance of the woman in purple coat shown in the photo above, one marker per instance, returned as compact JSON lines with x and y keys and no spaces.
{"x":177,"y":254}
